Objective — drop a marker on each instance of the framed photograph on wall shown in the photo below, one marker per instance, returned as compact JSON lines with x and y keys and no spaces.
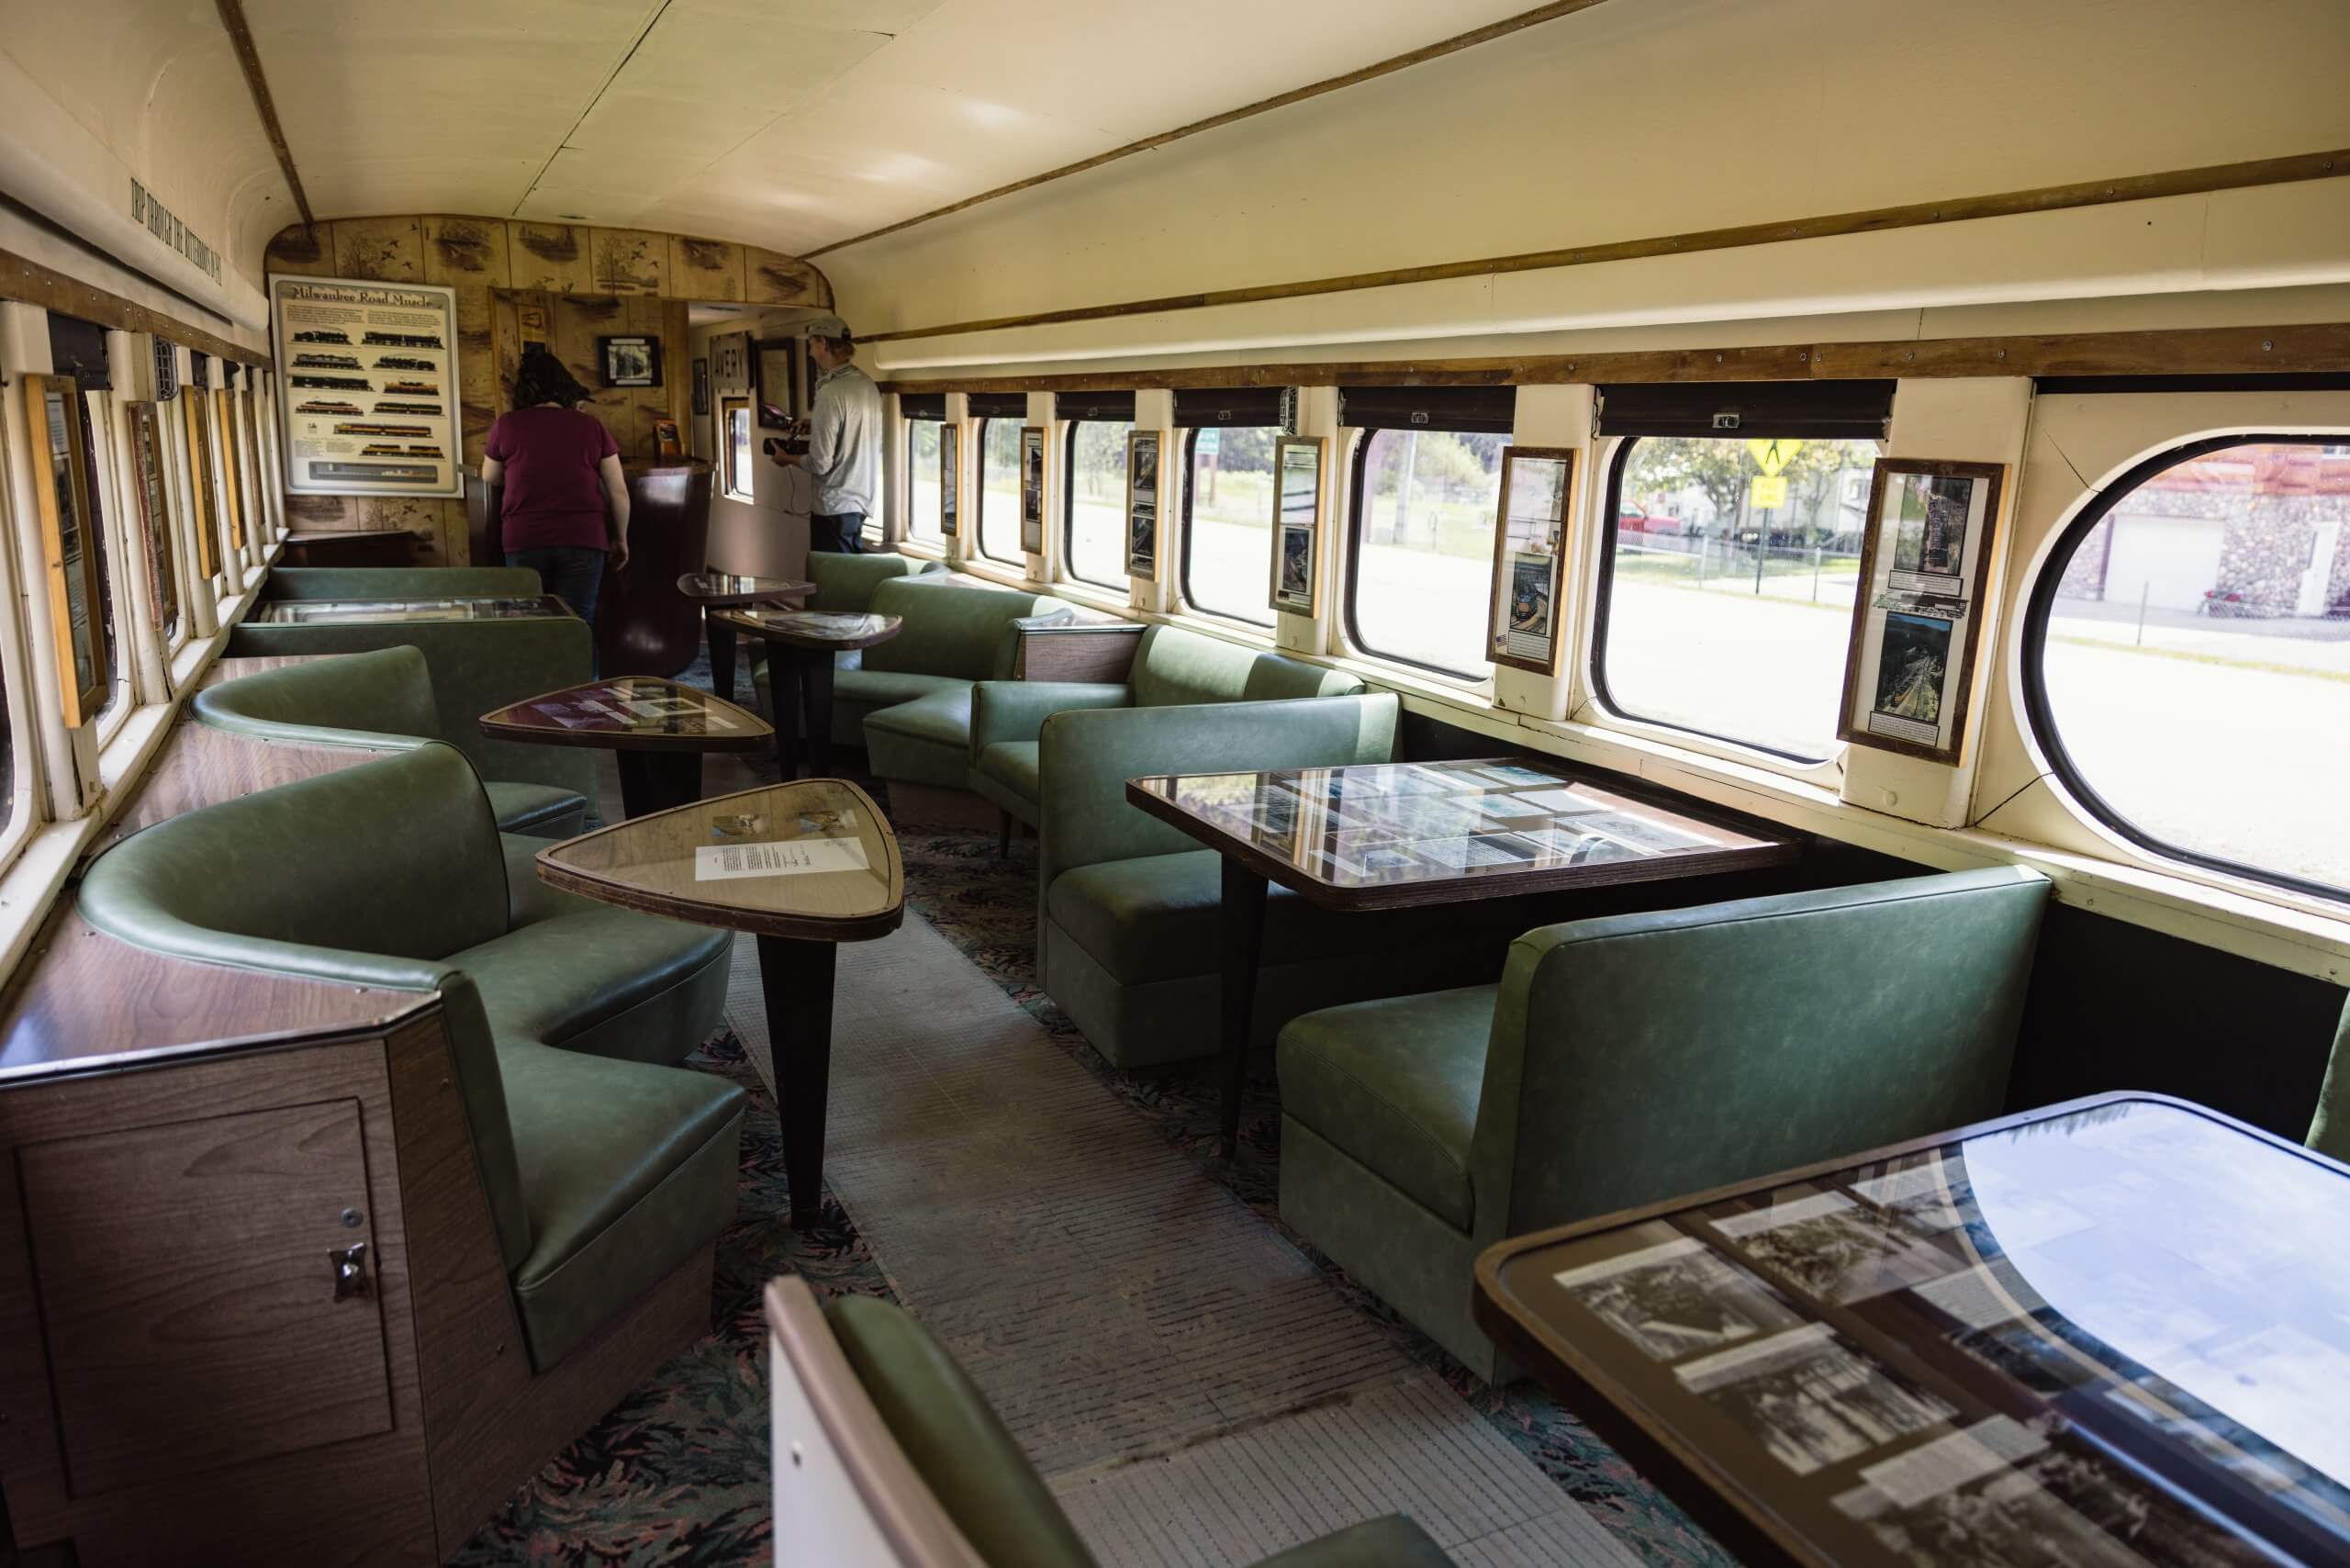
{"x":701,"y":388}
{"x":70,"y":563}
{"x":232,"y":471}
{"x":196,"y":409}
{"x":1142,"y":505}
{"x":1522,"y":625}
{"x":730,"y":362}
{"x":950,"y":479}
{"x":1032,"y":489}
{"x":1917,"y":619}
{"x":155,"y":515}
{"x":629,"y":361}
{"x":1298,"y":484}
{"x":771,"y":386}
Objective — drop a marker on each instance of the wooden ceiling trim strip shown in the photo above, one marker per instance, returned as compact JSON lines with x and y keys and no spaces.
{"x":1436,"y":50}
{"x":2196,"y":351}
{"x":24,"y":279}
{"x":233,"y":16}
{"x":2005,"y":204}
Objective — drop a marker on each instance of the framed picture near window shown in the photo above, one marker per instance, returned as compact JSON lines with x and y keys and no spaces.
{"x":1522,"y":626}
{"x":1298,"y":484}
{"x":701,"y":388}
{"x":232,"y":473}
{"x":1142,"y":504}
{"x":155,"y":515}
{"x":69,"y":560}
{"x":950,"y":477}
{"x":1032,"y":489}
{"x":730,"y":362}
{"x":195,"y":411}
{"x":629,"y":361}
{"x":1917,"y":619}
{"x":771,"y":382}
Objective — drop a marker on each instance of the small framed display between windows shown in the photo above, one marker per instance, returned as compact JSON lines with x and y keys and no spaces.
{"x":69,"y":554}
{"x":194,"y":410}
{"x":950,"y":479}
{"x":233,"y":472}
{"x":1032,"y":489}
{"x":154,"y":516}
{"x":1143,"y":504}
{"x":1300,"y":483}
{"x":1522,"y":625}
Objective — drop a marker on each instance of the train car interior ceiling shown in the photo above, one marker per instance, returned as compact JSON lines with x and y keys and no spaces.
{"x":1015,"y":784}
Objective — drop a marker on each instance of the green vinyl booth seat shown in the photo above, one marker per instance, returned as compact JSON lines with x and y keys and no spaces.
{"x":974,"y":1467}
{"x":908,"y":701}
{"x":846,"y":582}
{"x":1172,"y":668}
{"x":381,"y":701}
{"x":605,"y":1166}
{"x":475,"y":666}
{"x":1631,"y":1059}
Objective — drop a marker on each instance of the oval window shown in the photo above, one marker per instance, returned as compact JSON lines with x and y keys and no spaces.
{"x":2187,"y":658}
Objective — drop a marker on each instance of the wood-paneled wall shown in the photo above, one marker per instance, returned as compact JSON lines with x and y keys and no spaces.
{"x":618,"y":273}
{"x":569,"y":325}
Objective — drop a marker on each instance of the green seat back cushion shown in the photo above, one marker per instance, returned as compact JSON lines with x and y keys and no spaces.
{"x":955,"y":1443}
{"x":2330,"y":1132}
{"x":546,"y":810}
{"x":1012,"y":764}
{"x":950,"y":630}
{"x":887,"y":687}
{"x":1395,"y":1083}
{"x":401,"y":582}
{"x":1178,"y":666}
{"x":344,"y":698}
{"x":847,"y":582}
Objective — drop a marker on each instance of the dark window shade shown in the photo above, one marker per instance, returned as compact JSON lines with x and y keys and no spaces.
{"x":1199,"y":407}
{"x":921,"y":405}
{"x":1825,"y":410}
{"x":1115,"y":407}
{"x":1491,"y":409}
{"x":78,"y":349}
{"x":999,"y":405}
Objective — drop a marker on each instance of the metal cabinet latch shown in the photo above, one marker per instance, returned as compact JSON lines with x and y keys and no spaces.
{"x":350,"y":1270}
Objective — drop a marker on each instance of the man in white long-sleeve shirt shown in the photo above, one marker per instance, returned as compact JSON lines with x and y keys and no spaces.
{"x":844,"y":455}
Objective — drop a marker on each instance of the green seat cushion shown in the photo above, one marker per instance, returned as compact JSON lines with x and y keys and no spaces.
{"x":1392,"y":1542}
{"x":927,"y":741}
{"x":887,"y":687}
{"x":1161,"y":917}
{"x":628,"y":1169}
{"x":953,"y":1439}
{"x":543,"y":810}
{"x":1012,"y":765}
{"x":1395,"y":1083}
{"x":943,"y":718}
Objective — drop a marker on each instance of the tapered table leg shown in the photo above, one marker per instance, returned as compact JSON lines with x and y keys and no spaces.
{"x":656,"y":780}
{"x":796,"y":977}
{"x":1244,"y":931}
{"x":638,"y":791}
{"x":783,"y":694}
{"x":721,"y":656}
{"x":816,"y":701}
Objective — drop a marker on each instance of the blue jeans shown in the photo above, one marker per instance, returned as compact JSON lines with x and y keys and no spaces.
{"x":840,"y":534}
{"x":573,"y":573}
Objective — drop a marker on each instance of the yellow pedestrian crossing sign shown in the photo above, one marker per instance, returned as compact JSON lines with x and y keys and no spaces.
{"x":1768,"y":490}
{"x":1773,"y":455}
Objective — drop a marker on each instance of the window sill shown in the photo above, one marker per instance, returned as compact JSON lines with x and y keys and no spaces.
{"x":31,"y":886}
{"x":125,"y":755}
{"x":1088,"y":596}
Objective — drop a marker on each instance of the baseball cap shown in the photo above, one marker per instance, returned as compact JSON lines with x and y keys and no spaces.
{"x":827,"y":326}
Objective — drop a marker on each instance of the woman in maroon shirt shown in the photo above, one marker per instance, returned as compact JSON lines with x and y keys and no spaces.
{"x":567,"y":500}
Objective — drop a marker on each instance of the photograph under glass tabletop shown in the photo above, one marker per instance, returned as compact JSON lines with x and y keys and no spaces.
{"x":2114,"y":1333}
{"x":720,"y":590}
{"x":360,"y":611}
{"x":801,"y":645}
{"x":656,"y":729}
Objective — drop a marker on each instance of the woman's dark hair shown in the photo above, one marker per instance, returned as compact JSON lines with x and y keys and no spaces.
{"x":541,"y":378}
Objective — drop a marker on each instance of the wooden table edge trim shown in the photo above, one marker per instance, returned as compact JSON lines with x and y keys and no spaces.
{"x":743,"y":597}
{"x":808,"y":927}
{"x":759,"y":730}
{"x":1466,"y":890}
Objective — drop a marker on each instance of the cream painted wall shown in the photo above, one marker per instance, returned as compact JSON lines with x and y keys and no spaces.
{"x":768,"y":535}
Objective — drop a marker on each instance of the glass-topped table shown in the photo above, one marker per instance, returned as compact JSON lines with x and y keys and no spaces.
{"x":2115,"y":1332}
{"x":804,"y":867}
{"x":719,"y":590}
{"x":353,"y":611}
{"x":657,"y":731}
{"x":1407,"y":834}
{"x":800,"y":645}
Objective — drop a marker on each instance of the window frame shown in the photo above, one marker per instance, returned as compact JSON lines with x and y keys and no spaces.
{"x":1602,"y":614}
{"x":1018,"y":560}
{"x":1359,"y":466}
{"x":735,"y":485}
{"x":2031,"y":645}
{"x":1126,"y":584}
{"x":1192,"y":605}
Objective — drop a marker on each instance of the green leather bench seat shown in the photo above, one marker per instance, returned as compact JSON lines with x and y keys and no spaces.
{"x":927,"y":741}
{"x":381,"y":700}
{"x":1634,"y":1057}
{"x":1006,"y":774}
{"x":959,"y":1448}
{"x":604,"y":1172}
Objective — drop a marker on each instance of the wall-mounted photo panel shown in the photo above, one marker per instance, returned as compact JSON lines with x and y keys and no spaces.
{"x":154,"y":516}
{"x":370,"y":386}
{"x":1917,"y":616}
{"x":771,"y":363}
{"x":196,"y":411}
{"x":631,"y":361}
{"x":232,"y":472}
{"x":1142,"y":504}
{"x":730,"y":362}
{"x":950,"y":479}
{"x":1298,"y":484}
{"x":701,"y":388}
{"x":1522,"y":625}
{"x":1031,"y":488}
{"x":53,"y":414}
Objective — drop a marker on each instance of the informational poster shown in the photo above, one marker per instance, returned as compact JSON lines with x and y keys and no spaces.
{"x":1297,"y":512}
{"x":1032,"y":489}
{"x":1522,"y":630}
{"x":371,"y":405}
{"x":1916,"y":620}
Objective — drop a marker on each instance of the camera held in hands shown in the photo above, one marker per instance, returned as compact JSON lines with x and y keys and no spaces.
{"x":795,"y":444}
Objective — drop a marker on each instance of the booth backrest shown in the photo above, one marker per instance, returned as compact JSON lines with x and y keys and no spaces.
{"x":1175,"y":666}
{"x":847,"y":582}
{"x":1675,"y":1050}
{"x":964,"y":633}
{"x":370,"y":699}
{"x":368,"y":877}
{"x":401,"y":582}
{"x":2329,"y":1130}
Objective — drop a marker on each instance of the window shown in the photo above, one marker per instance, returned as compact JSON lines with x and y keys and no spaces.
{"x":2187,"y":658}
{"x":922,"y":480}
{"x":1421,"y":571}
{"x":1094,"y":502}
{"x":1229,"y":521}
{"x":734,"y":447}
{"x":999,"y":491}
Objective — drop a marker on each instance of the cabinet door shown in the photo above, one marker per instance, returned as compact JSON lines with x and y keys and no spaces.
{"x":187,"y":1280}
